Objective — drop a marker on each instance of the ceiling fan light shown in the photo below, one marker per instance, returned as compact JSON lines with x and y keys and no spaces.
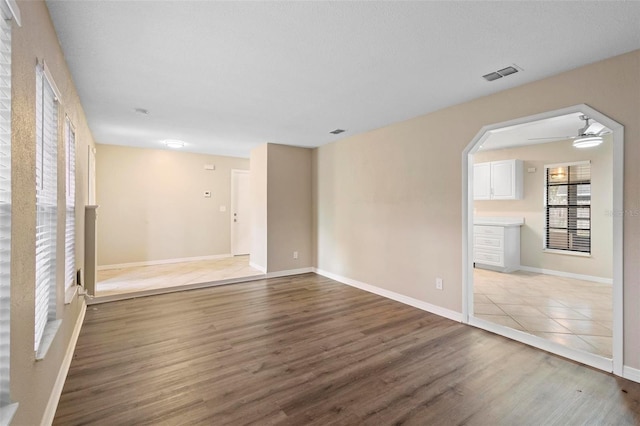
{"x":587,"y":141}
{"x":173,"y":143}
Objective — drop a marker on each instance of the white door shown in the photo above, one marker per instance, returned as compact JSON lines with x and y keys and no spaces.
{"x":240,"y":213}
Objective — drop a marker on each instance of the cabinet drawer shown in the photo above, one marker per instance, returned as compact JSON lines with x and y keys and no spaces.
{"x":488,"y":230}
{"x":487,"y":258}
{"x":488,"y":242}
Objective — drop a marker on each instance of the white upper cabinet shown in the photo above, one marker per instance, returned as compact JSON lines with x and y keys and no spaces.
{"x":498,"y":180}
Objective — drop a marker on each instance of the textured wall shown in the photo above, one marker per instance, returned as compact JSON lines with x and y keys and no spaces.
{"x":31,"y":381}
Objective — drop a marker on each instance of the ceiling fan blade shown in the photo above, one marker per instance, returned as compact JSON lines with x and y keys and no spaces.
{"x":553,"y":138}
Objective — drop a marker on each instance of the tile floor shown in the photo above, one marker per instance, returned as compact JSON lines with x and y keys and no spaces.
{"x":574,"y":313}
{"x":143,"y":278}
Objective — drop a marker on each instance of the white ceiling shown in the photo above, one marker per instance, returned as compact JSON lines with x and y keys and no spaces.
{"x":548,"y":130}
{"x":228,"y":76}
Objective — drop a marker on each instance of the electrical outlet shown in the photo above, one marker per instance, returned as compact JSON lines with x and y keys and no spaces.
{"x":295,"y":254}
{"x":439,"y":283}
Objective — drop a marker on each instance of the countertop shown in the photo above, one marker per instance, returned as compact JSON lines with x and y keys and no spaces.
{"x":498,"y":221}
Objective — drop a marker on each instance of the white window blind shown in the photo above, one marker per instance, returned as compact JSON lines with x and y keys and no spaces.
{"x":568,"y":207}
{"x":70,"y":225}
{"x":46,"y":203}
{"x":5,"y":206}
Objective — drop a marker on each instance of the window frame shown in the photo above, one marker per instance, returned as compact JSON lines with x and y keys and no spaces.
{"x":569,"y":207}
{"x":9,"y":13}
{"x":70,"y":281}
{"x":44,"y":332}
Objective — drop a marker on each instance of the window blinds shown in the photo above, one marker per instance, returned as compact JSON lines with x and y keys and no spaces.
{"x":70,"y":226}
{"x":5,"y":205}
{"x":568,"y":207}
{"x":46,"y":203}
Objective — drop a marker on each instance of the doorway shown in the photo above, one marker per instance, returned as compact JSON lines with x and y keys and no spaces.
{"x":240,"y":213}
{"x":504,"y":327}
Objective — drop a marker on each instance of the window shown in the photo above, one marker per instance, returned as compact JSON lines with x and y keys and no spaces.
{"x":70,"y":222}
{"x":568,"y":207}
{"x":6,"y":408}
{"x":46,"y":207}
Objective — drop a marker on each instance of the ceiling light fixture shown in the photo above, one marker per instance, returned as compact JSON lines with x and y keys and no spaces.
{"x":587,"y":141}
{"x":141,"y":111}
{"x":173,"y":143}
{"x":337,"y":131}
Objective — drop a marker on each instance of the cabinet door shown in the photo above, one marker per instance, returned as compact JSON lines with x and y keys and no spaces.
{"x":503,"y":176}
{"x":482,"y":181}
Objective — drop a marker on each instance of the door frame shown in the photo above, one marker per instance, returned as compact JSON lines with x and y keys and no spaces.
{"x":616,"y":363}
{"x":234,"y":172}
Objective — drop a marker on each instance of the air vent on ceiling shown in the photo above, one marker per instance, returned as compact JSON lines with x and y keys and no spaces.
{"x":141,"y":111}
{"x":500,"y":73}
{"x":337,"y":131}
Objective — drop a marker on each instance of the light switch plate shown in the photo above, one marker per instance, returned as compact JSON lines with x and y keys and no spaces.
{"x":207,"y":194}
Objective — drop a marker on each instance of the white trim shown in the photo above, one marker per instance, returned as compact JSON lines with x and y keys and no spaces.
{"x":564,"y":252}
{"x":163,"y":261}
{"x":48,"y":335}
{"x":10,"y":7}
{"x":54,"y":397}
{"x":70,"y":294}
{"x":618,"y":219}
{"x":592,"y":360}
{"x":7,"y":412}
{"x":258,"y":267}
{"x":166,"y":290}
{"x":289,"y":272}
{"x":49,"y":77}
{"x":631,"y":373}
{"x":425,"y":306}
{"x":572,"y":163}
{"x":601,"y":280}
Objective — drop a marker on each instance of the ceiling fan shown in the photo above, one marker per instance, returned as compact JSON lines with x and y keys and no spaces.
{"x":588,"y":136}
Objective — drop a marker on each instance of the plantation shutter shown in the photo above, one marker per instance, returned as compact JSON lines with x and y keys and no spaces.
{"x":5,"y":206}
{"x":70,"y":226}
{"x":46,"y":203}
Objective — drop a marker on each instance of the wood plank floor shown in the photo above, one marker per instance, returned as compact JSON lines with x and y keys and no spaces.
{"x":307,"y":350}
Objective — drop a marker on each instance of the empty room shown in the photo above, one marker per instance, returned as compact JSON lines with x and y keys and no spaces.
{"x":312,"y":213}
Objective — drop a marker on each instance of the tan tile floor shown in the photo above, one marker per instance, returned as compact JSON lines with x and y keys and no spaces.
{"x":574,"y":313}
{"x":143,"y":278}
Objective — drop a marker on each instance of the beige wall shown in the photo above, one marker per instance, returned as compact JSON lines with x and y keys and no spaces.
{"x":531,"y":207}
{"x":258,"y":184}
{"x":31,"y":381}
{"x":389,"y":202}
{"x":289,"y":207}
{"x":152,"y":204}
{"x":282,"y":209}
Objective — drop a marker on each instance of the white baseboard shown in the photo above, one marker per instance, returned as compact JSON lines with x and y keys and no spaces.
{"x":258,"y":267}
{"x":163,"y":261}
{"x":289,"y":272}
{"x":425,"y":306}
{"x":591,"y":278}
{"x":631,"y":373}
{"x":54,"y":398}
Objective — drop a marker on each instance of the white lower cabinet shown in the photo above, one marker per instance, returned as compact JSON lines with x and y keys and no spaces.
{"x":496,"y":247}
